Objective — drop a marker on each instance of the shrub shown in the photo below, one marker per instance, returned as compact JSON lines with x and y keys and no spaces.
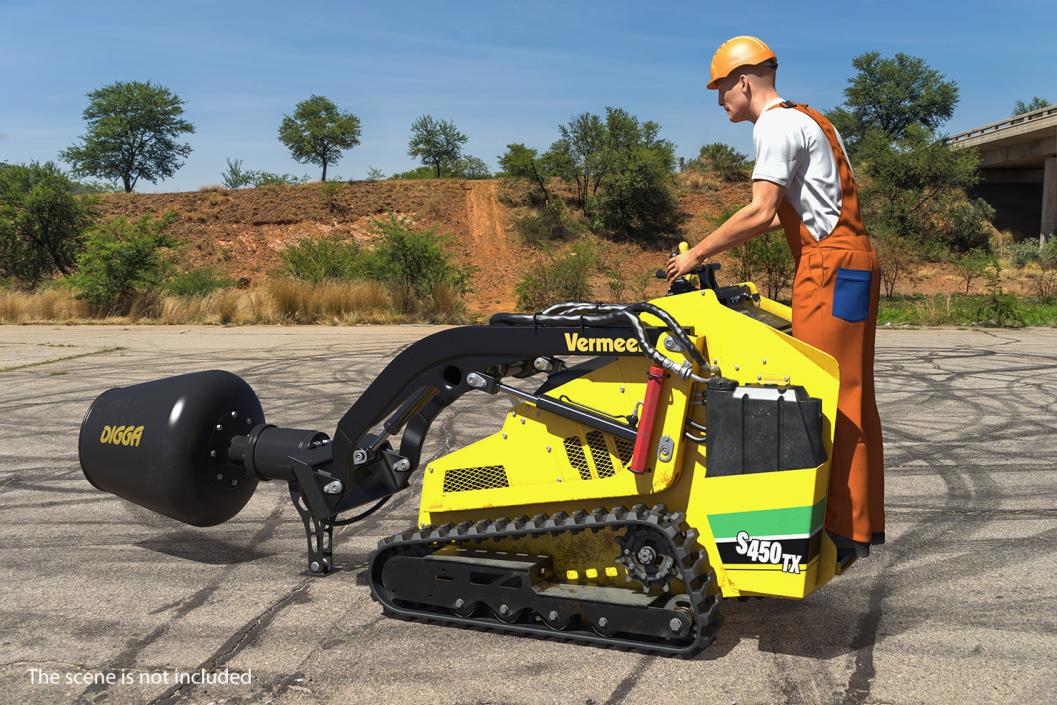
{"x":317,"y":259}
{"x":900,"y":259}
{"x":412,"y":262}
{"x":997,"y":308}
{"x":971,"y":265}
{"x":639,"y":200}
{"x":234,"y":177}
{"x":197,"y":282}
{"x":726,"y":162}
{"x":121,"y":260}
{"x":564,"y":278}
{"x":41,"y":221}
{"x":268,"y":178}
{"x":549,"y":223}
{"x":968,"y":225}
{"x":617,"y":285}
{"x":1021,"y":254}
{"x":328,"y":194}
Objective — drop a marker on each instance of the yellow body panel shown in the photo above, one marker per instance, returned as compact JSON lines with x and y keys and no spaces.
{"x":541,"y":463}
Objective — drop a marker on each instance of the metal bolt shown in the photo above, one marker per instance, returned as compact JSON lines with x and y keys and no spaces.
{"x":737,"y":367}
{"x":476,"y":381}
{"x":333,"y":487}
{"x":219,"y":427}
{"x":249,"y":420}
{"x":764,"y":360}
{"x":503,"y":609}
{"x":220,"y":476}
{"x":621,"y":390}
{"x":522,"y":422}
{"x":759,"y":378}
{"x":603,"y":622}
{"x":314,"y":566}
{"x":676,"y":625}
{"x":549,"y":449}
{"x":234,"y":483}
{"x":359,"y":456}
{"x":504,"y":436}
{"x":513,"y":413}
{"x":553,"y":615}
{"x":716,"y":361}
{"x":212,"y":454}
{"x":459,"y":602}
{"x":234,"y":414}
{"x":431,"y":468}
{"x":787,"y":379}
{"x":402,"y":465}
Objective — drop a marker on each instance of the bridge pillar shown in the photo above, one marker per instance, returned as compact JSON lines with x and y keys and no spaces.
{"x":1049,"y":197}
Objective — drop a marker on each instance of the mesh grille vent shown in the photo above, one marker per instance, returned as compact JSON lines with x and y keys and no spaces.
{"x":482,"y":478}
{"x":625,"y":449}
{"x":600,"y":454}
{"x":575,"y":452}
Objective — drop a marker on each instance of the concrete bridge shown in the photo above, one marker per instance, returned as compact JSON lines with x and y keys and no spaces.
{"x":1018,"y":169}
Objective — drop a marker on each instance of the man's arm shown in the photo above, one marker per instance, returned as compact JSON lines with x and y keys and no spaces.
{"x":758,"y":217}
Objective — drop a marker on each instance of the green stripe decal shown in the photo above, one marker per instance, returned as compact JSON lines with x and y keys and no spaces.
{"x":769,"y":522}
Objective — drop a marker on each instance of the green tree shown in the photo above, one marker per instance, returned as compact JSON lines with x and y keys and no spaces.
{"x":318,"y":131}
{"x":621,"y":172}
{"x":627,"y":172}
{"x":724,"y":161}
{"x":133,"y":133}
{"x":580,"y":154}
{"x":41,"y":219}
{"x":521,"y":162}
{"x":1036,"y":103}
{"x":438,"y":143}
{"x":892,"y":95}
{"x":471,"y":168}
{"x":915,"y":187}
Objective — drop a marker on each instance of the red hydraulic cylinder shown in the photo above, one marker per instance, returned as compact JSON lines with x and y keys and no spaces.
{"x":644,"y":439}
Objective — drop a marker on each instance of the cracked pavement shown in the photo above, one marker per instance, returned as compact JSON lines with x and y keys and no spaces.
{"x":957,"y":607}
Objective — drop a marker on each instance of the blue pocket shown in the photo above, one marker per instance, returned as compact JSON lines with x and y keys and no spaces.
{"x":851,"y":294}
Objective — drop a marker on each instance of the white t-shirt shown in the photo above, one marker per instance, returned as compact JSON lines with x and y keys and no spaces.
{"x":792,"y":151}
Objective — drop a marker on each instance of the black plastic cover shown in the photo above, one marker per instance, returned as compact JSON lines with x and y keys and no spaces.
{"x":761,"y":429}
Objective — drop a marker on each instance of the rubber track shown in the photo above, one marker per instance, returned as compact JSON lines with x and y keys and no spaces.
{"x":693,"y":566}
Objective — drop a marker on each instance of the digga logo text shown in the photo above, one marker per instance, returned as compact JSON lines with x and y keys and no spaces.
{"x":121,"y":435}
{"x":575,"y":343}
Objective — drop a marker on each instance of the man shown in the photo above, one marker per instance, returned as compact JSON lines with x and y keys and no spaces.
{"x":803,"y":182}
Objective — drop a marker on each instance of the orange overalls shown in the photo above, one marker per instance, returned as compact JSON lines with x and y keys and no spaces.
{"x":835,"y":292}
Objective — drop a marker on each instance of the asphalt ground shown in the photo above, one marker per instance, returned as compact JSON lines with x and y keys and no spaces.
{"x":957,"y":607}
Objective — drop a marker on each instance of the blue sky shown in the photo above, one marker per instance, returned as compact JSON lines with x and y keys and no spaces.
{"x":502,"y":71}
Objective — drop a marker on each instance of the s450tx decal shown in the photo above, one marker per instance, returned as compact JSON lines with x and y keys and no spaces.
{"x":767,"y":551}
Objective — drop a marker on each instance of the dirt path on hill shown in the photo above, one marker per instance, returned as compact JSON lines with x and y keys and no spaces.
{"x":490,"y":248}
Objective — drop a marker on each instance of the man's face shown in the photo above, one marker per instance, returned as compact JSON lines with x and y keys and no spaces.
{"x":734,"y":97}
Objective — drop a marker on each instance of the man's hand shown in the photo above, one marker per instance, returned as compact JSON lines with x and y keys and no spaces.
{"x":678,"y":265}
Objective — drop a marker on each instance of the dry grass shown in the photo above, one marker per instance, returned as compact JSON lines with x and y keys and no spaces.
{"x":276,"y":301}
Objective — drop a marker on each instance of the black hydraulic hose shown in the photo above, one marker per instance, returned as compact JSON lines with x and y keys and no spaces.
{"x":673,"y":326}
{"x":675,"y":329}
{"x":362,"y":515}
{"x":694,"y":425}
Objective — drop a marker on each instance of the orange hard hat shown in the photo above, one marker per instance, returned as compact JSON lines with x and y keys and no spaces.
{"x":737,"y":52}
